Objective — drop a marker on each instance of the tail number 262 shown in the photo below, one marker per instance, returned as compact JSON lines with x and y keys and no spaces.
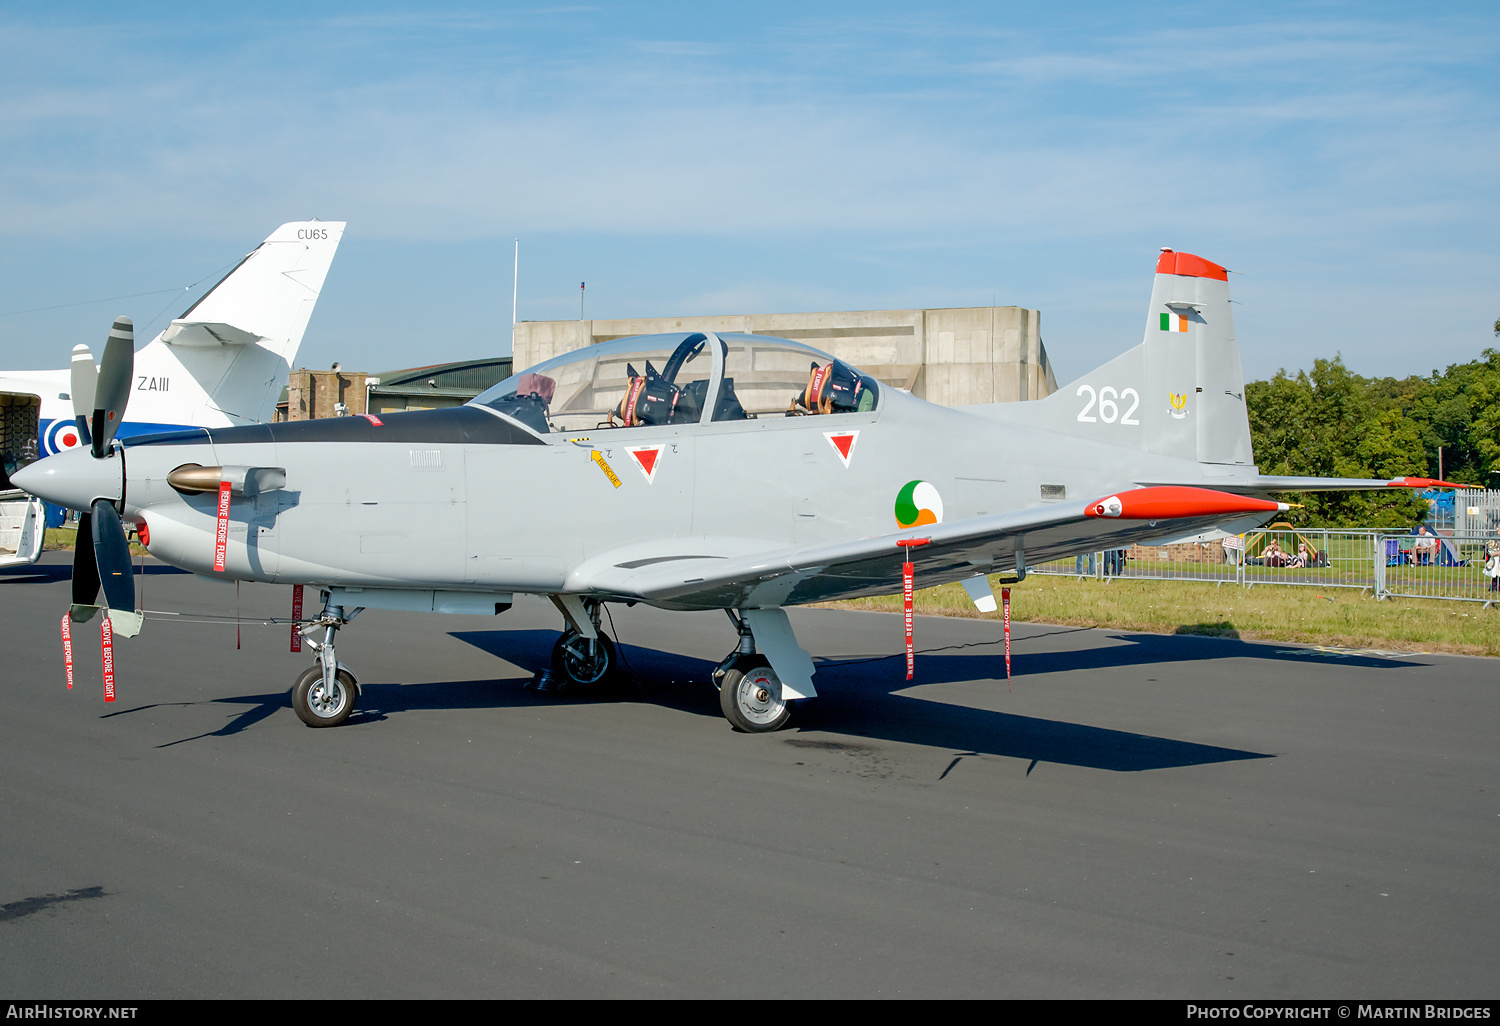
{"x":1109,"y":409}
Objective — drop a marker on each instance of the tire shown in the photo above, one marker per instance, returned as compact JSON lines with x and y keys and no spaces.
{"x":571,"y":662}
{"x":308,"y":703}
{"x":750,"y":697}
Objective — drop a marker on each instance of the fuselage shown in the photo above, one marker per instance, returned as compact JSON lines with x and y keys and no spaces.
{"x":466,"y":500}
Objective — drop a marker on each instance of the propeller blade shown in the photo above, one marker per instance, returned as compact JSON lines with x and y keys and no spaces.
{"x":112,"y":391}
{"x":85,"y":376}
{"x":85,"y":568}
{"x":112,"y":553}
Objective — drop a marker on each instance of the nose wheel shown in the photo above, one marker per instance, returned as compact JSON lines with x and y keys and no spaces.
{"x":318,"y":704}
{"x":750,"y":697}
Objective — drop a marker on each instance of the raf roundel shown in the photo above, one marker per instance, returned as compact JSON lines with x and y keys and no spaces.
{"x":918,"y":503}
{"x":59,"y":436}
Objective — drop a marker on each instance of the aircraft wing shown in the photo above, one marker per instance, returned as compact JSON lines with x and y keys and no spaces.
{"x":963,"y":548}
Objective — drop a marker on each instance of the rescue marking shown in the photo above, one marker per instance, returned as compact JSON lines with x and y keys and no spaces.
{"x":598,"y":458}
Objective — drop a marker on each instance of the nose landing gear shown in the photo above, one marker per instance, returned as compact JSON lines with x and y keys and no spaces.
{"x":325,"y":693}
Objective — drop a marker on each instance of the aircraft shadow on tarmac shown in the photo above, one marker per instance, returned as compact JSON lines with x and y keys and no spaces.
{"x":62,"y":573}
{"x":858,"y":696}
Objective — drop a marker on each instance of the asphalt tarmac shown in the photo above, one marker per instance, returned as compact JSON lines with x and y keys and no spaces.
{"x":1131,"y":816}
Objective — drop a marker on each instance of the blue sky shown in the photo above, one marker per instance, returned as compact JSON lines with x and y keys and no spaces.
{"x":1343,"y":158}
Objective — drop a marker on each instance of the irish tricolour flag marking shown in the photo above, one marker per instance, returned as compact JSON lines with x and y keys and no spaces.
{"x":1174,"y":322}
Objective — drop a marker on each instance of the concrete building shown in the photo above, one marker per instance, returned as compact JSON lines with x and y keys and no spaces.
{"x":314,"y":395}
{"x":988,"y":354}
{"x":441,"y":385}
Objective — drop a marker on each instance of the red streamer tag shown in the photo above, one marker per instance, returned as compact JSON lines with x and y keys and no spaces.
{"x":221,"y":537}
{"x":296,"y":617}
{"x":1005,"y":601}
{"x":107,"y":646}
{"x":906,"y":588}
{"x":67,"y":632}
{"x":911,"y":654}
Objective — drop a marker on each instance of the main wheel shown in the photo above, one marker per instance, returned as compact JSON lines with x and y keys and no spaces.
{"x":572,"y":658}
{"x":750,"y":697}
{"x":318,"y":706}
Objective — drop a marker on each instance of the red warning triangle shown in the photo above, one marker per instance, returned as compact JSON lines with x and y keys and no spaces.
{"x":843,"y":443}
{"x":646,"y":457}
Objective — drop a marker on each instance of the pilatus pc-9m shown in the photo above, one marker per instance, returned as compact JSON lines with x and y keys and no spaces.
{"x":689,"y":471}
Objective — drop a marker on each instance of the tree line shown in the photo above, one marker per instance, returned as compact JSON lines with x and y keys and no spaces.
{"x":1329,"y":422}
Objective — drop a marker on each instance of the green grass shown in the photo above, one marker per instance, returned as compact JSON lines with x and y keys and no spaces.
{"x":1304,"y":614}
{"x":63,"y":539}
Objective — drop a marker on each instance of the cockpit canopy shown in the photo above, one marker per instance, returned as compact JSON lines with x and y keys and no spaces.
{"x":680,"y":378}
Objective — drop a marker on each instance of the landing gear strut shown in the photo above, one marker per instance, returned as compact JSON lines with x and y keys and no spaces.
{"x":325,"y":693}
{"x":577,"y":659}
{"x":750,"y":693}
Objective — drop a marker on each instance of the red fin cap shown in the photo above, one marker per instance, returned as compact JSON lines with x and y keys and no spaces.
{"x":1189,"y":265}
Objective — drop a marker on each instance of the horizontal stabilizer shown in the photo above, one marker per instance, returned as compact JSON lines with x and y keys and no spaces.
{"x":199,"y":333}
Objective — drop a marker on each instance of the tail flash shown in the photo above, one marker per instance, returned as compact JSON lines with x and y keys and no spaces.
{"x":1180,"y":393}
{"x":1192,"y":371}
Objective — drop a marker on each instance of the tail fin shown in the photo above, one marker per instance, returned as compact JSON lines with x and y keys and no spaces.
{"x":239,"y":340}
{"x":1181,"y":392}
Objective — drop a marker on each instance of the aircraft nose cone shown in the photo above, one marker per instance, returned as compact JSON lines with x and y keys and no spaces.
{"x":73,"y":478}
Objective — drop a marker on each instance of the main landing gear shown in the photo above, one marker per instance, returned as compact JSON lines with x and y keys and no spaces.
{"x":325,"y":693}
{"x":584,"y":656}
{"x":750,"y":694}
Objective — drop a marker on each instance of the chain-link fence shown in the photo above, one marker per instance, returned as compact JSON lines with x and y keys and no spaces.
{"x":1443,"y":565}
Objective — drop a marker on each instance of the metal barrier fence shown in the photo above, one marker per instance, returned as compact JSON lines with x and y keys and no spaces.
{"x":1443,"y":566}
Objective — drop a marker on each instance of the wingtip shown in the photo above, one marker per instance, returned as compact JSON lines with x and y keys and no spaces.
{"x":1423,"y":482}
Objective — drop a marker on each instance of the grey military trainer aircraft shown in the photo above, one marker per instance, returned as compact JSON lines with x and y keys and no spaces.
{"x":690,"y":471}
